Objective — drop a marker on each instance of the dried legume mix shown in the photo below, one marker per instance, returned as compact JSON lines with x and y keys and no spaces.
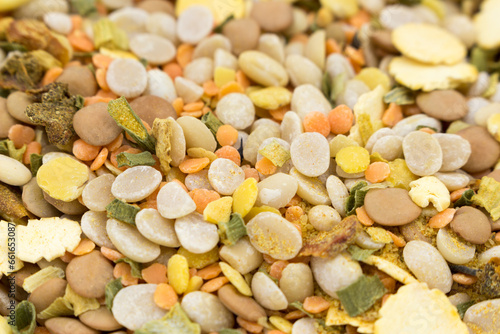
{"x":244,"y":166}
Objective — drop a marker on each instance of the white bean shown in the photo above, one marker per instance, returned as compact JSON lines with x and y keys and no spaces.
{"x":156,"y":228}
{"x":195,"y":234}
{"x":136,"y":183}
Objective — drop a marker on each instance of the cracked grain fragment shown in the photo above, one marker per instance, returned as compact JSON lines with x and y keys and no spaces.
{"x":47,"y":238}
{"x":162,"y":131}
{"x":429,"y":312}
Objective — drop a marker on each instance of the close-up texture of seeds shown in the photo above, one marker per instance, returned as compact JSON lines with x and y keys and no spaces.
{"x":249,"y":166}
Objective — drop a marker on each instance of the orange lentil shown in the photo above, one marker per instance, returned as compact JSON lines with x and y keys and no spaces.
{"x":100,"y":159}
{"x":316,"y":121}
{"x":278,"y":113}
{"x":193,"y":106}
{"x":149,"y":205}
{"x":497,"y":237}
{"x":377,"y":172}
{"x":293,"y":213}
{"x":427,"y":130}
{"x":101,"y":9}
{"x":214,"y":284}
{"x":32,"y":148}
{"x":251,"y":327}
{"x":464,"y":279}
{"x":332,"y":46}
{"x":67,"y":257}
{"x":242,"y":79}
{"x":340,"y":119}
{"x":195,"y":114}
{"x":155,"y":273}
{"x":192,"y":272}
{"x":80,"y":41}
{"x":190,"y":166}
{"x":296,"y":200}
{"x":442,"y":219}
{"x":251,"y":172}
{"x":101,"y":61}
{"x":165,"y":296}
{"x":275,"y":331}
{"x":227,"y":135}
{"x":84,"y":247}
{"x":455,"y":195}
{"x":85,"y":151}
{"x":123,"y":270}
{"x":294,"y":315}
{"x":230,"y":87}
{"x":360,"y":18}
{"x":51,"y":75}
{"x":277,"y":268}
{"x":392,"y":115}
{"x":300,"y":37}
{"x":95,"y":99}
{"x":154,"y":194}
{"x":103,"y":93}
{"x":265,"y":166}
{"x":100,"y":76}
{"x":363,"y":216}
{"x":111,"y":254}
{"x":210,"y":271}
{"x":184,"y":54}
{"x":178,"y":105}
{"x":202,"y":197}
{"x":356,"y":56}
{"x":389,"y":283}
{"x":398,"y":241}
{"x":21,"y":135}
{"x":229,"y":152}
{"x":116,"y":143}
{"x":173,"y":70}
{"x":268,"y":258}
{"x":210,"y":88}
{"x":77,"y":21}
{"x":316,"y":304}
{"x":205,"y":110}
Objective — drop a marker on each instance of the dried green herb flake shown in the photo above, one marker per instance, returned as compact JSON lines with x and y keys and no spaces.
{"x":356,"y":198}
{"x":361,"y":295}
{"x":136,"y":267}
{"x":111,"y":290}
{"x":211,"y":122}
{"x":359,"y":254}
{"x":139,"y":159}
{"x":122,"y":211}
{"x":233,"y":230}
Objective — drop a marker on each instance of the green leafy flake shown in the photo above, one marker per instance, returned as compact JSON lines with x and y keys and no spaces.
{"x":131,"y":159}
{"x":308,"y":4}
{"x":211,"y":122}
{"x":463,"y":307}
{"x":275,"y":152}
{"x":144,"y":62}
{"x":492,"y":86}
{"x":426,"y":127}
{"x":175,"y":321}
{"x":11,"y":46}
{"x":80,"y":304}
{"x":326,"y":85}
{"x":4,"y":93}
{"x":338,"y":85}
{"x":122,"y":211}
{"x":229,"y":331}
{"x":400,"y":95}
{"x":4,"y":148}
{"x":25,"y":318}
{"x":111,"y":290}
{"x":300,"y":307}
{"x":356,"y":197}
{"x":218,"y":29}
{"x":54,"y":108}
{"x":480,"y":58}
{"x":264,"y":269}
{"x":488,"y":196}
{"x":128,"y":120}
{"x":136,"y":267}
{"x":361,"y":295}
{"x":60,"y":307}
{"x":79,"y":101}
{"x":233,"y":230}
{"x":359,"y":254}
{"x":108,"y":35}
{"x":34,"y":281}
{"x":410,"y":2}
{"x":21,"y":72}
{"x":85,"y":7}
{"x":36,"y":161}
{"x":465,"y":199}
